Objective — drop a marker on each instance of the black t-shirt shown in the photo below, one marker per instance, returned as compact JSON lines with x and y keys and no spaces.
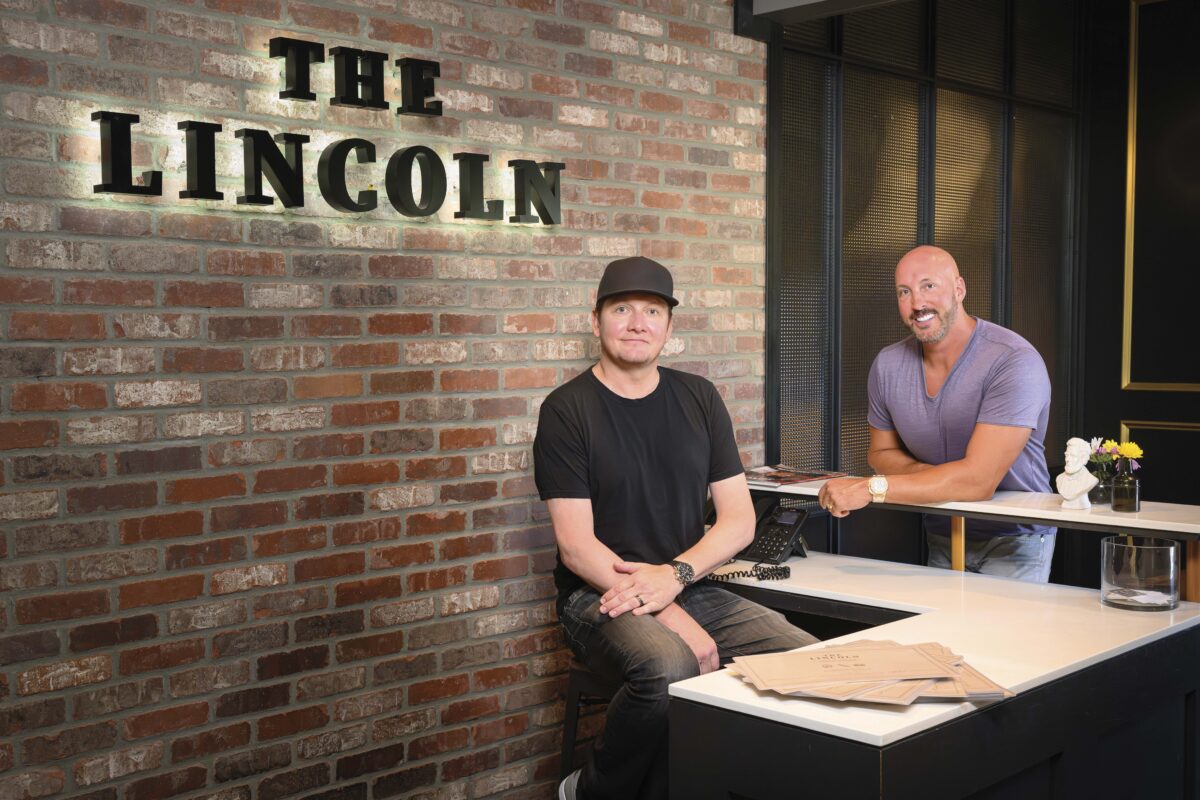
{"x":645,"y":464}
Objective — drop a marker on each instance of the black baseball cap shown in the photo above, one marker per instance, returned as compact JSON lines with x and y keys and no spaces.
{"x":636,"y":274}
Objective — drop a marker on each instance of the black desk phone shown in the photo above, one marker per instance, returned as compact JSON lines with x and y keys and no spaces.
{"x":776,"y":532}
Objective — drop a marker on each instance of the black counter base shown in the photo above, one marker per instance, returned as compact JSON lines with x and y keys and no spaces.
{"x":1124,"y":728}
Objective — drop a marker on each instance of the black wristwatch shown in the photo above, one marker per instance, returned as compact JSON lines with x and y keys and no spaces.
{"x":683,"y":572}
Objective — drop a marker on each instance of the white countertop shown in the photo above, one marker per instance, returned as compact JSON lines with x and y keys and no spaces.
{"x":1019,"y":634}
{"x":1174,"y":517}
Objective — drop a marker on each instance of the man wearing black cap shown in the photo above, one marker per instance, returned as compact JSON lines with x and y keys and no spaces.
{"x":625,"y":456}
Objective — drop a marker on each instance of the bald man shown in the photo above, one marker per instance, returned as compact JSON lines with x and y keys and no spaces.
{"x":956,"y":411}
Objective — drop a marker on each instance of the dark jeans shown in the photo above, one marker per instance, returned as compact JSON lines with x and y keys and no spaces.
{"x":629,"y":759}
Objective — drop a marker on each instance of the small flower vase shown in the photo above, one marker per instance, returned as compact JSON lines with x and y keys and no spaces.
{"x":1126,"y":491}
{"x":1101,"y":493}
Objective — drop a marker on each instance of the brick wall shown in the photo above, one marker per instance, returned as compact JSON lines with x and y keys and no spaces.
{"x":267,"y":510}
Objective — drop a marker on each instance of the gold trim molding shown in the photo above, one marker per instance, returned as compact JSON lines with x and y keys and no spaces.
{"x":1127,"y":381}
{"x":1127,"y":425}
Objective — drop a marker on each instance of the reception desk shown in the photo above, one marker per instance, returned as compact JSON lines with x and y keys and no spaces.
{"x":1105,"y":704}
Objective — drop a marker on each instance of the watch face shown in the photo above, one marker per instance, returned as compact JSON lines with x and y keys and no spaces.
{"x":684,"y":572}
{"x":877,"y":485}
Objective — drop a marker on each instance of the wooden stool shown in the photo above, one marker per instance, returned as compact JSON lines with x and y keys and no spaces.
{"x":583,"y":686}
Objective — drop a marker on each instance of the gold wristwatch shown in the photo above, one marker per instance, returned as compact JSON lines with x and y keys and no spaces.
{"x":877,"y":485}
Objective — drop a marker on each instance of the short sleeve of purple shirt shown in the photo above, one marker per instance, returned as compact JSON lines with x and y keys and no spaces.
{"x":1000,"y":379}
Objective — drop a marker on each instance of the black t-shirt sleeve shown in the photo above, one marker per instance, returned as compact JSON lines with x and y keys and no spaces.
{"x":724,"y":461}
{"x":560,"y":462}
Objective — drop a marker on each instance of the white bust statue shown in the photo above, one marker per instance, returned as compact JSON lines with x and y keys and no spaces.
{"x":1075,"y":481}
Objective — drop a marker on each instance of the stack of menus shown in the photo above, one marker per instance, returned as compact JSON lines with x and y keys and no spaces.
{"x":870,"y":672}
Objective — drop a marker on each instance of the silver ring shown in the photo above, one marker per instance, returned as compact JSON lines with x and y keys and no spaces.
{"x":641,"y":602}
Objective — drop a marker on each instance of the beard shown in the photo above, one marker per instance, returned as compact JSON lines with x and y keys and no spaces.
{"x":946,"y":319}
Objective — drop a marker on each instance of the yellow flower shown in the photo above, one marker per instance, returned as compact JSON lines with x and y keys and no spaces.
{"x":1129,"y":450}
{"x":1109,"y":444}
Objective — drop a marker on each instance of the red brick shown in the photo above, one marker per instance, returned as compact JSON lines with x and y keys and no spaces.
{"x":113,"y":632}
{"x":501,"y":568}
{"x":401,"y":33}
{"x":209,"y":551}
{"x":466,"y":438}
{"x":401,"y":266}
{"x":324,"y":506}
{"x":435,"y":468}
{"x":166,"y":785}
{"x":216,"y":294}
{"x":199,"y":226}
{"x":468,"y":492}
{"x":162,"y":526}
{"x":289,"y":479}
{"x":161,"y":591}
{"x":105,"y":221}
{"x":466,"y":546}
{"x":359,"y":414}
{"x":26,"y":291}
{"x":54,"y":607}
{"x":401,"y":382}
{"x":104,"y":12}
{"x":293,"y":540}
{"x":495,"y":677}
{"x":438,"y":689}
{"x":470,"y":380}
{"x":206,"y":743}
{"x":325,"y":325}
{"x":165,"y":720}
{"x":321,"y":386}
{"x":231,"y":329}
{"x":433,"y":522}
{"x":376,"y":354}
{"x":369,"y":646}
{"x":250,"y":515}
{"x":58,"y":396}
{"x":46,"y":326}
{"x":202,"y":359}
{"x":161,"y":656}
{"x":366,"y":530}
{"x":366,"y":472}
{"x":530,"y":377}
{"x":331,"y":566}
{"x":328,"y":446}
{"x":435,"y":579}
{"x":33,"y":433}
{"x":290,"y":723}
{"x":199,"y":490}
{"x":369,"y":590}
{"x":400,"y":324}
{"x":305,"y":659}
{"x":246,"y":262}
{"x":488,"y":732}
{"x":403,"y":555}
{"x":23,"y":71}
{"x":112,"y":497}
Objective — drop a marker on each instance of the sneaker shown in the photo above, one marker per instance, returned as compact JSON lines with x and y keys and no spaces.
{"x":566,"y":789}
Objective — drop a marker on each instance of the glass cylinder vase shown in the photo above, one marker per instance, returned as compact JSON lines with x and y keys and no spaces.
{"x":1101,"y":493}
{"x":1126,"y":492}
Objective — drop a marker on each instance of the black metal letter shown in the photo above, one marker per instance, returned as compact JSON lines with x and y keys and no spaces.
{"x":470,"y":189}
{"x":331,"y":174}
{"x":116,"y":157}
{"x":358,"y":78}
{"x":398,"y":181}
{"x":299,"y":54}
{"x":261,"y":157}
{"x":201,"y":160}
{"x":416,"y":85}
{"x":543,"y":190}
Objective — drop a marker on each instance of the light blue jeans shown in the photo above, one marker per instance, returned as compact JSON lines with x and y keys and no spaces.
{"x":629,"y":759}
{"x":1025,"y":557}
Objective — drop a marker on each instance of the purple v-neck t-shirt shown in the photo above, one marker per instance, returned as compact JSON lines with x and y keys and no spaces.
{"x":1000,"y":379}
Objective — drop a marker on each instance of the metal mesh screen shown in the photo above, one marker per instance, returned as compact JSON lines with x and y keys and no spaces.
{"x":892,"y":34}
{"x":1044,"y":50}
{"x":970,"y":42}
{"x":880,"y":150}
{"x":969,"y":194}
{"x":802,"y":286}
{"x":1043,"y":155}
{"x":813,"y":34}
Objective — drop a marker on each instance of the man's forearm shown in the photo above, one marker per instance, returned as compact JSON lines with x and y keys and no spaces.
{"x":593,"y":562}
{"x":721,"y":543}
{"x":895,"y":462}
{"x":954,"y":480}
